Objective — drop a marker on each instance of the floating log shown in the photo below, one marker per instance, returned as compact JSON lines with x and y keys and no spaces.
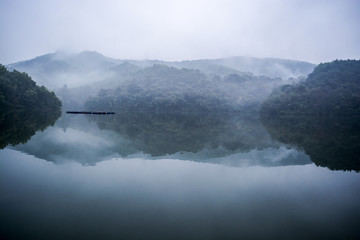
{"x":86,"y":112}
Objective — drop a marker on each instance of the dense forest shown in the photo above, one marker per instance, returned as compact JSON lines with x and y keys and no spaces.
{"x":331,"y":89}
{"x":24,"y":107}
{"x":160,"y":88}
{"x":76,"y":77}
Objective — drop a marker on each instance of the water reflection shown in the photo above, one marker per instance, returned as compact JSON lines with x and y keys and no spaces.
{"x":130,"y":197}
{"x":228,"y":139}
{"x":19,"y":126}
{"x":332,"y":142}
{"x":75,"y":139}
{"x":172,"y":199}
{"x":163,"y":134}
{"x":231,"y":140}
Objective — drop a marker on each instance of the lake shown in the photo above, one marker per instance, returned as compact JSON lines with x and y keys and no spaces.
{"x":180,"y":176}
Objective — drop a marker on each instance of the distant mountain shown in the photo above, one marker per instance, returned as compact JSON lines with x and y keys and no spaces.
{"x":62,"y":61}
{"x":269,"y":67}
{"x":205,"y":66}
{"x":56,"y":69}
{"x":76,"y":77}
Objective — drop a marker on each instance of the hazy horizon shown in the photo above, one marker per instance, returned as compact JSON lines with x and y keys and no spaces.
{"x":313,"y":31}
{"x":64,"y":52}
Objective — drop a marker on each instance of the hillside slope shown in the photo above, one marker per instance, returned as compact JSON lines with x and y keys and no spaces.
{"x":167,"y":89}
{"x":332,"y":88}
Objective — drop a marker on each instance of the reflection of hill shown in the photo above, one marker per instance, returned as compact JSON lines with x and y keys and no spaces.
{"x":330,"y":142}
{"x":161,"y":134}
{"x":231,"y":140}
{"x":19,"y":127}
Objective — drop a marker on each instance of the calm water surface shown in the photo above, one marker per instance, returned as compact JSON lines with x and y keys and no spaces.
{"x":180,"y":177}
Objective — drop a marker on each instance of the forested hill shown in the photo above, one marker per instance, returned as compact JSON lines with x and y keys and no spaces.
{"x":76,"y":77}
{"x":19,"y":92}
{"x":24,"y":107}
{"x":167,"y":89}
{"x":332,"y":88}
{"x":161,"y":88}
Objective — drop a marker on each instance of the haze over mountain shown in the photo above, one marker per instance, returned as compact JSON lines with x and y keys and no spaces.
{"x":61,"y":66}
{"x":76,"y":77}
{"x":57,"y":69}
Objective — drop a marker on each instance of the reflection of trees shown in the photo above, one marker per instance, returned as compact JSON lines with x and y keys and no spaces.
{"x":161,"y":134}
{"x":19,"y":126}
{"x":330,"y":142}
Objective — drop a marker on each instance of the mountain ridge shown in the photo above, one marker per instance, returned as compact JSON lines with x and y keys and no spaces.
{"x":75,"y":77}
{"x":284,"y":68}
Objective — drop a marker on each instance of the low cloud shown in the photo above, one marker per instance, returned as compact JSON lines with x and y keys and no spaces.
{"x":314,"y":31}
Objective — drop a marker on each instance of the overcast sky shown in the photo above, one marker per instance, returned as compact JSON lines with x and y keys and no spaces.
{"x":310,"y":30}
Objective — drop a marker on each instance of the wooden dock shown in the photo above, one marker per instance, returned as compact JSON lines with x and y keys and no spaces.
{"x":87,"y":112}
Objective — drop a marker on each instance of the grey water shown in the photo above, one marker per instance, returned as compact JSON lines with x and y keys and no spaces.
{"x":197,"y":176}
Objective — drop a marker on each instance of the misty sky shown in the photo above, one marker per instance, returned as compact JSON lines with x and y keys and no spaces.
{"x":311,"y":30}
